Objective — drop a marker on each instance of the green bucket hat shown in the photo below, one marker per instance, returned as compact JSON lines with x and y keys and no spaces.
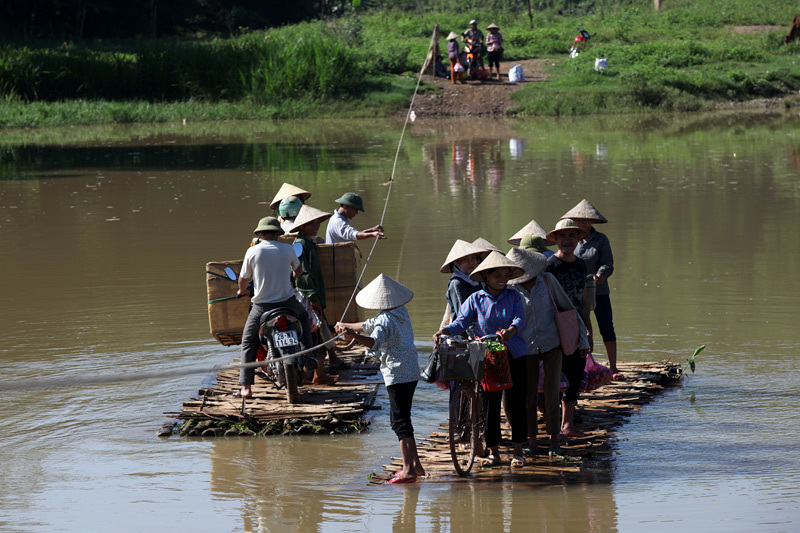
{"x":535,"y":243}
{"x":351,"y":199}
{"x":269,"y":224}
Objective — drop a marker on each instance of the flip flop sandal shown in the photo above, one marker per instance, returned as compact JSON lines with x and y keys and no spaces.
{"x":518,"y":461}
{"x":396,"y":480}
{"x":490,"y":461}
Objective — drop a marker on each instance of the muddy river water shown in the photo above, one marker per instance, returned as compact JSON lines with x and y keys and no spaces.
{"x":105,"y":232}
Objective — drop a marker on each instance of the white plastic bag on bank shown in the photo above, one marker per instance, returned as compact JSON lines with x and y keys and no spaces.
{"x":515,"y":74}
{"x":600,"y":64}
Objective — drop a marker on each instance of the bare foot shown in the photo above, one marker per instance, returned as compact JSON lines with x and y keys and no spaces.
{"x":572,"y":431}
{"x":325,"y":380}
{"x":617,"y":377}
{"x":245,"y":392}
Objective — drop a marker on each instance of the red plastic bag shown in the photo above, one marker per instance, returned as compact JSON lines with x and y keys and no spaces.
{"x":597,"y":375}
{"x":497,"y":371}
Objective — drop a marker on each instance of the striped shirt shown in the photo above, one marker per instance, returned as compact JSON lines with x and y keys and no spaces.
{"x":489,"y":314}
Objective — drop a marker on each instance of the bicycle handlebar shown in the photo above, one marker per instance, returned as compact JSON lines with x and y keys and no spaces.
{"x":491,"y":337}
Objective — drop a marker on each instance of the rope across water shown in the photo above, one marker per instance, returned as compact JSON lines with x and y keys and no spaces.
{"x":190,"y":368}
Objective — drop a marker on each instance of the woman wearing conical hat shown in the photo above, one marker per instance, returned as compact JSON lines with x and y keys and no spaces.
{"x":595,"y":250}
{"x":311,"y":283}
{"x":462,"y":259}
{"x":541,"y":292}
{"x":496,"y":309}
{"x":389,"y":335}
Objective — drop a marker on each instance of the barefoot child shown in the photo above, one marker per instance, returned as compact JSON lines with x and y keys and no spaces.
{"x":390,"y":337}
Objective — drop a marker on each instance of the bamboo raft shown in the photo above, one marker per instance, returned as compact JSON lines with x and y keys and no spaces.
{"x":601,"y":412}
{"x":321,"y":408}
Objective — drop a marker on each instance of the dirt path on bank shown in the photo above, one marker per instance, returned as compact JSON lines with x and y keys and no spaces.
{"x":489,"y":97}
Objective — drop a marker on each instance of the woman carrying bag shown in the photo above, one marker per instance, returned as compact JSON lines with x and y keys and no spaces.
{"x":542,"y":298}
{"x":495,"y":309}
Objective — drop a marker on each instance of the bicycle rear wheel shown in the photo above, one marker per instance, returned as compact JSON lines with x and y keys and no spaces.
{"x":463,"y":425}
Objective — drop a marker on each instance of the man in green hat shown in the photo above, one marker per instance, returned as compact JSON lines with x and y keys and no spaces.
{"x":270,"y":264}
{"x":537,"y":244}
{"x":339,"y":228}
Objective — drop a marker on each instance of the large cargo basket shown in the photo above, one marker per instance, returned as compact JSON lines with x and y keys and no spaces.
{"x":341,"y":265}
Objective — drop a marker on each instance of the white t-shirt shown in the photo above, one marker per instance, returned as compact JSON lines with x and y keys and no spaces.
{"x":270,"y":265}
{"x":340,"y":230}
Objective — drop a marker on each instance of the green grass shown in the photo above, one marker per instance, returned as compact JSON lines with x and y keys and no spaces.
{"x":681,"y":58}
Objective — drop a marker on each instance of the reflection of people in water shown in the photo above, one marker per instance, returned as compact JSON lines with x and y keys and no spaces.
{"x":497,"y":166}
{"x":473,"y":163}
{"x":273,"y":481}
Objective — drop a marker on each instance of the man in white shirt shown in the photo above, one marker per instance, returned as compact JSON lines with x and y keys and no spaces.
{"x":339,"y":228}
{"x":270,"y":264}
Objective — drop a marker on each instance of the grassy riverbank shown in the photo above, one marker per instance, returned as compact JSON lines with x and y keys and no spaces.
{"x":684,"y":57}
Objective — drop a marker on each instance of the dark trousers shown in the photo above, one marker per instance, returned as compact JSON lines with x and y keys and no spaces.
{"x":250,"y":342}
{"x":515,"y":398}
{"x":400,"y":396}
{"x":492,"y":401}
{"x":573,"y":366}
{"x":605,"y":318}
{"x":551,"y":361}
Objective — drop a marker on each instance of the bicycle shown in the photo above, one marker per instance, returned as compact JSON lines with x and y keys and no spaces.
{"x":465,"y":409}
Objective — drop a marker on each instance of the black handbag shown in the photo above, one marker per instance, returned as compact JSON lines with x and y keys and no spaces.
{"x":429,"y":372}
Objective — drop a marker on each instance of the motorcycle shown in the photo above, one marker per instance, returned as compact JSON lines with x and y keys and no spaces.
{"x":472,"y":48}
{"x":279,"y":334}
{"x":579,"y":44}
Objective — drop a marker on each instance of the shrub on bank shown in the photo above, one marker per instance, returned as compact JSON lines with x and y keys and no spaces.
{"x":305,"y":61}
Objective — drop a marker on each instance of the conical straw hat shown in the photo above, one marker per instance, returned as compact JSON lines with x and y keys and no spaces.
{"x":453,"y":35}
{"x":534,"y":264}
{"x":531,"y":228}
{"x":384,"y":293}
{"x":461,"y":249}
{"x":485,"y":245}
{"x":286,"y":190}
{"x":566,"y":223}
{"x":587,"y":211}
{"x":496,"y":260}
{"x":308,"y":214}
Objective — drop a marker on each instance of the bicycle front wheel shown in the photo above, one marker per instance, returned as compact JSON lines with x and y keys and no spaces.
{"x":463,"y":427}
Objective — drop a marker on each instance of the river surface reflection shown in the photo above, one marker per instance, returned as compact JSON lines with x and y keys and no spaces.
{"x":105,"y":233}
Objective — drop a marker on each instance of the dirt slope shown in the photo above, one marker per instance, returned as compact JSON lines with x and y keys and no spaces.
{"x":490,"y":97}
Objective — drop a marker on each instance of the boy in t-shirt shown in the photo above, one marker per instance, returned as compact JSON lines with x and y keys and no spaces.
{"x":570,"y":271}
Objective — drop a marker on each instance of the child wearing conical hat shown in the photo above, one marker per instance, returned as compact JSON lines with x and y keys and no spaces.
{"x":389,"y":336}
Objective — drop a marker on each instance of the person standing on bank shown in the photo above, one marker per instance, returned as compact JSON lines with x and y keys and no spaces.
{"x":595,"y":250}
{"x":270,"y":264}
{"x":570,"y":271}
{"x":494,"y":43}
{"x":339,"y":228}
{"x":454,"y":54}
{"x":389,"y":336}
{"x":311,"y":283}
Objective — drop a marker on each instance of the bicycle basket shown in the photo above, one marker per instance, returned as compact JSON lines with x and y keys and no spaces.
{"x":459,"y":361}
